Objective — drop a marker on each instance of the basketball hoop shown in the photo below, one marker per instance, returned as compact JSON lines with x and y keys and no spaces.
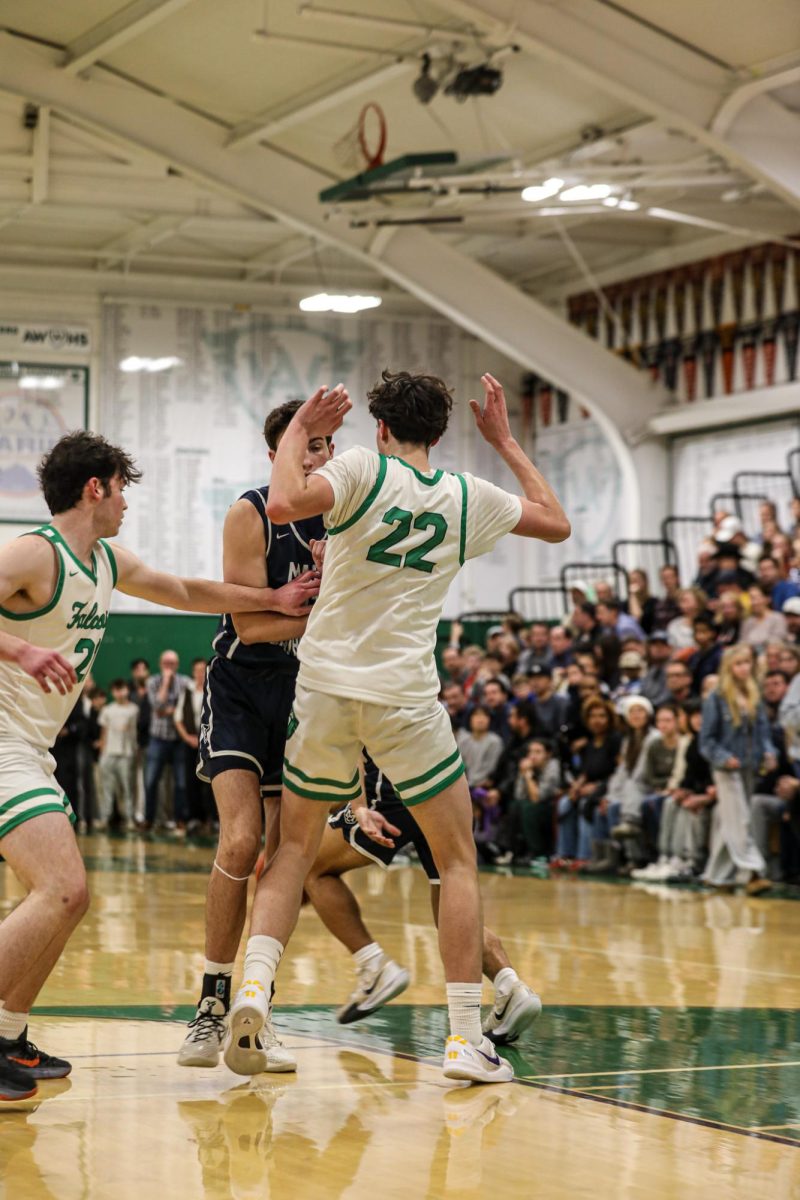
{"x":363,"y":146}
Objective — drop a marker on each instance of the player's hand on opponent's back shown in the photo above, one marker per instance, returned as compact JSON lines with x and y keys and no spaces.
{"x":318,"y":551}
{"x":323,"y":413}
{"x":492,"y":419}
{"x":293,"y":599}
{"x":375,"y":825}
{"x":48,"y":667}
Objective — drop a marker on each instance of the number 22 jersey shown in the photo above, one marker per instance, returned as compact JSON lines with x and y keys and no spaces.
{"x":397,"y":537}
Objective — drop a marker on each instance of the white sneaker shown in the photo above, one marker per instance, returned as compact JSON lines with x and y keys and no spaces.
{"x":253,"y":1045}
{"x":511,"y":1014}
{"x":374,"y":989}
{"x":206,"y":1033}
{"x":477,"y":1064}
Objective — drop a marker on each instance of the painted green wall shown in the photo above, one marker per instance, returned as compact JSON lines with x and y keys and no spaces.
{"x":140,"y":635}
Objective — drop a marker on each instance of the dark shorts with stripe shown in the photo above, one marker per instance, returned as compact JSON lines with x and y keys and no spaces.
{"x":399,"y":816}
{"x":244,"y":723}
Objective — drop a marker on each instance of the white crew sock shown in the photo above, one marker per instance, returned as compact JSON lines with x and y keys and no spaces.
{"x":261,"y":960}
{"x":215,"y":968}
{"x":368,"y":958}
{"x":464,"y":1008}
{"x":11,"y":1023}
{"x":504,"y":981}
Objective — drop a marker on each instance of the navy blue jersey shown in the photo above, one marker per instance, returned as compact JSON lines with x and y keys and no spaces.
{"x":288,"y":553}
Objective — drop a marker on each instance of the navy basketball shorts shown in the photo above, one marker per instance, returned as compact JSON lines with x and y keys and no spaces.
{"x":244,"y":722}
{"x":399,"y":816}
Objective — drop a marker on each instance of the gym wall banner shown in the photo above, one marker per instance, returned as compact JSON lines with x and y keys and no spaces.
{"x":21,"y":337}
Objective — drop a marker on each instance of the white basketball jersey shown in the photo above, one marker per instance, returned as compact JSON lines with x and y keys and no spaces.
{"x":73,"y":623}
{"x":396,"y":539}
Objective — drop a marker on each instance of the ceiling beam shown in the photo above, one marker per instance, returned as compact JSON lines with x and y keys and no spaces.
{"x":149,"y":233}
{"x":121,"y":27}
{"x":626,"y":58}
{"x":277,"y":120}
{"x":40,"y":177}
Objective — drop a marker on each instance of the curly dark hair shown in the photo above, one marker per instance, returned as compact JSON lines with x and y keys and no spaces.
{"x":74,"y":460}
{"x":278,"y":420}
{"x":416,"y":408}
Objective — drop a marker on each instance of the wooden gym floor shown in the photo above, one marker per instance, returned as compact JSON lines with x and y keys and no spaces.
{"x":666,"y":1062}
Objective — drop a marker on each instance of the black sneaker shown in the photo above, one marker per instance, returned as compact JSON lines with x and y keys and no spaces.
{"x":30,"y":1061}
{"x":15,"y":1083}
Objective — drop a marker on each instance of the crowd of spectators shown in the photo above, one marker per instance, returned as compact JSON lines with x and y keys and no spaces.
{"x":655,"y":735}
{"x":112,"y":753}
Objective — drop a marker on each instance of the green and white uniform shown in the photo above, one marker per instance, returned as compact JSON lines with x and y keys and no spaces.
{"x":396,"y":540}
{"x":73,"y":623}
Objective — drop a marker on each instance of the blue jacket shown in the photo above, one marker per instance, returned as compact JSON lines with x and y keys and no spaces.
{"x":720,"y":739}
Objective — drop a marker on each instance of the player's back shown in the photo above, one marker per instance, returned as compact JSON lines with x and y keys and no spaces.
{"x":397,"y":538}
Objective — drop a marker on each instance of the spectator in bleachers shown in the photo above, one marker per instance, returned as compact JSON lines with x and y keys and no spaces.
{"x":585,"y":626}
{"x":473,"y":657}
{"x":480,"y":748}
{"x":594,"y":763}
{"x":764,"y":624}
{"x":501,"y":780}
{"x":520,"y":688}
{"x":778,"y":589}
{"x":457,"y":705}
{"x":620,"y":813}
{"x":607,"y":653}
{"x":730,"y":569}
{"x":604,"y":592}
{"x":654,"y":683}
{"x":731,"y":538}
{"x":789,"y":660}
{"x":685,"y":817}
{"x":736,"y":741}
{"x":705,"y":577}
{"x":495,"y":701}
{"x":536,"y":790}
{"x":118,"y":721}
{"x":666,"y":607}
{"x":708,"y":655}
{"x":549,"y":709}
{"x":780,"y":548}
{"x":767,"y":515}
{"x":679,"y":682}
{"x":612,"y":619}
{"x":452,"y":665}
{"x":794,"y":508}
{"x":729,"y":617}
{"x":665,"y":764}
{"x":680,"y":630}
{"x":641,"y":605}
{"x":537,"y":647}
{"x":791,"y":611}
{"x":561,"y":651}
{"x":164,"y":747}
{"x":200,"y":807}
{"x":789,"y":716}
{"x":631,"y":675}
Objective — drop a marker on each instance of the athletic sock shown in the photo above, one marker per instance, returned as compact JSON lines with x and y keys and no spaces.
{"x":504,"y":981}
{"x":217,"y":982}
{"x":368,"y":958}
{"x":464,"y":1008}
{"x":261,"y":960}
{"x":12,"y":1024}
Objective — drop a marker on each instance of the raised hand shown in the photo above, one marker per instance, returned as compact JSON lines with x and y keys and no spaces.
{"x":323,"y":413}
{"x":48,"y":667}
{"x":375,"y":825}
{"x":294,"y":597}
{"x":492,"y":419}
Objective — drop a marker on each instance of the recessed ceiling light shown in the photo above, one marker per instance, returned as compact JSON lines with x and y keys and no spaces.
{"x":134,"y":363}
{"x":41,"y":383}
{"x":612,"y":202}
{"x":628,"y":205}
{"x":543,"y":191}
{"x":586,"y":191}
{"x":322,"y":302}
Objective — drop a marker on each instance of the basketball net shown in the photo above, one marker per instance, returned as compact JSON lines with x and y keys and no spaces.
{"x":363,"y":146}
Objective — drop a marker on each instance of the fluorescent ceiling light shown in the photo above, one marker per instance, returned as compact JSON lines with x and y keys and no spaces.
{"x":42,"y":383}
{"x":151,"y":365}
{"x":586,"y":191}
{"x":543,"y":191}
{"x":322,"y":302}
{"x":623,"y":205}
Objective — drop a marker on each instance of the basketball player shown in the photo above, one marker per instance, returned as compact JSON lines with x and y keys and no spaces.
{"x":371,"y":831}
{"x":55,"y":590}
{"x":248,"y":698}
{"x":398,"y":534}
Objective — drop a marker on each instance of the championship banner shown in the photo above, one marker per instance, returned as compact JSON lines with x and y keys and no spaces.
{"x":38,"y":405}
{"x":20,"y":337}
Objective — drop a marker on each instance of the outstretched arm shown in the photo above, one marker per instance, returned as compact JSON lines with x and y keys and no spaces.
{"x":542,"y":514}
{"x":294,"y":495}
{"x":135,"y":578}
